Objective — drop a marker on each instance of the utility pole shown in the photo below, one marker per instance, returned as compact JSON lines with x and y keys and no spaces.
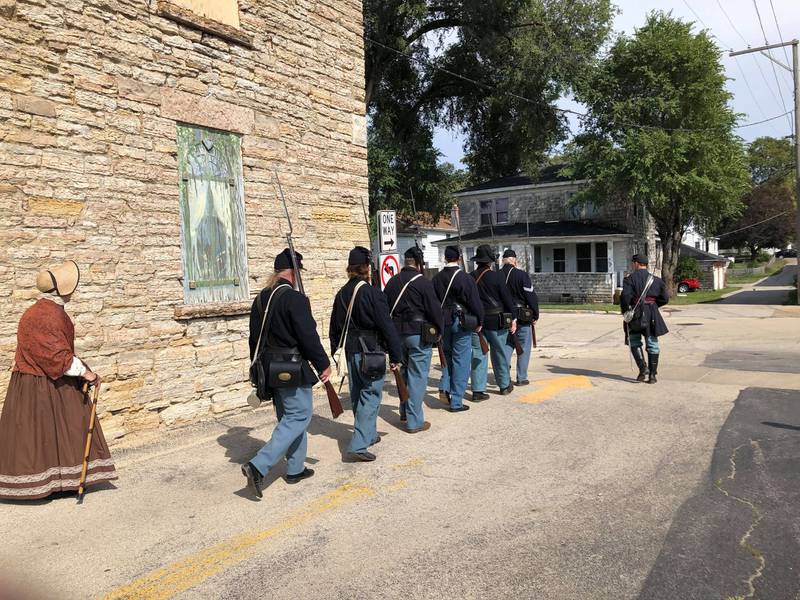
{"x":795,"y":70}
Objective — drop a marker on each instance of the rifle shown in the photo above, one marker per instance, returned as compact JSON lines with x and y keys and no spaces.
{"x":484,"y":343}
{"x":333,"y":397}
{"x":517,"y":345}
{"x":442,"y":358}
{"x":402,"y":388}
{"x":89,"y":435}
{"x":533,"y":333}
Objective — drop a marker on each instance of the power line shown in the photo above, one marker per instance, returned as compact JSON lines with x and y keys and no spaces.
{"x":772,"y":64}
{"x":780,"y":37}
{"x":786,"y":212}
{"x":555,"y":108}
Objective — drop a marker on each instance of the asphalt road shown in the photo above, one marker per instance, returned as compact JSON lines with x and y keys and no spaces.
{"x":773,"y":290}
{"x":584,"y":485}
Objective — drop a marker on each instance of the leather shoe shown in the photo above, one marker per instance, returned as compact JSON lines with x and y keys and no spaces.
{"x":523,"y":382}
{"x":507,"y":390}
{"x":461,"y":408}
{"x":377,"y":439}
{"x":362,"y":456}
{"x":254,"y":479}
{"x":425,"y":427}
{"x":479,"y":396}
{"x":444,"y":397}
{"x":304,"y":474}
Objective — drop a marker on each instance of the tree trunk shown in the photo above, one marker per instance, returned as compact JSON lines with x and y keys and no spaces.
{"x":753,"y":253}
{"x":671,"y":241}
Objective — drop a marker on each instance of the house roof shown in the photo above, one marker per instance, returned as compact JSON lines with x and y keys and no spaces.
{"x":539,"y":230}
{"x":691,"y":252}
{"x":549,"y":174}
{"x":423,"y":221}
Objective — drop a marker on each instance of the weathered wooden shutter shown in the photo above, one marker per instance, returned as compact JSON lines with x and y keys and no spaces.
{"x":213,"y":237}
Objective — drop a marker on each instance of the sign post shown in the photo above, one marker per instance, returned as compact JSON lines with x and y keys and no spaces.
{"x":388,"y":267}
{"x":387,"y":231}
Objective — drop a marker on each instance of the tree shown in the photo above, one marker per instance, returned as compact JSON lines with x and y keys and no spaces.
{"x":490,"y":68}
{"x":660,"y":132}
{"x":768,"y":217}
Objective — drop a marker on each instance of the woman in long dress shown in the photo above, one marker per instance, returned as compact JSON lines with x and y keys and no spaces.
{"x":46,"y":414}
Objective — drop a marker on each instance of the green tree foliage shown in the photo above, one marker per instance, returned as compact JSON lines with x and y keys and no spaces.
{"x":688,"y":268}
{"x":492,"y":69}
{"x":660,"y":131}
{"x":771,"y":163}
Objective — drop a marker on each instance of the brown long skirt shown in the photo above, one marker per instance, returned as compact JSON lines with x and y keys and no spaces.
{"x":43,"y":436}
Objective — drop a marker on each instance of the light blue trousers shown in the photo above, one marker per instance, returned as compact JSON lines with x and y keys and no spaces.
{"x":635,"y":340}
{"x":294,"y":407}
{"x":525,"y":337}
{"x":365,"y":395}
{"x":458,"y":352}
{"x":417,"y":366}
{"x":480,"y":362}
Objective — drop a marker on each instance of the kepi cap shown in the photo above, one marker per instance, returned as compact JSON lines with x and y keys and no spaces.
{"x":640,"y":258}
{"x":509,"y":253}
{"x":359,"y":256}
{"x":284,"y":260}
{"x":451,"y":253}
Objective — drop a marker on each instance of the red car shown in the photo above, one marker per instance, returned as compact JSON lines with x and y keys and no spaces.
{"x":689,"y":285}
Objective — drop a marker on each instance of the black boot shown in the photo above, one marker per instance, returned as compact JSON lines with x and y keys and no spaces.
{"x":638,"y":356}
{"x":653,"y":360}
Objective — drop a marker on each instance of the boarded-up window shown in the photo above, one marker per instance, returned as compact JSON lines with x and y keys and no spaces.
{"x":212,"y":216}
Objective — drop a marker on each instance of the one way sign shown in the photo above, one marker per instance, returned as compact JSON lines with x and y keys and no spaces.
{"x":387,"y":231}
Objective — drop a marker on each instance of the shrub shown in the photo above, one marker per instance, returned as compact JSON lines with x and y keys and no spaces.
{"x":688,"y":268}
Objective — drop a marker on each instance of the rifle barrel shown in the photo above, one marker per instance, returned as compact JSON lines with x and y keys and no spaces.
{"x":402,"y":388}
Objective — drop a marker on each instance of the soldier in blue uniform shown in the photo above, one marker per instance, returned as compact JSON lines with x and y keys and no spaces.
{"x":368,"y":330}
{"x":417,"y":315}
{"x":498,"y":321}
{"x":283,"y":328}
{"x":526,"y":311}
{"x":463,"y":314}
{"x":649,"y":325}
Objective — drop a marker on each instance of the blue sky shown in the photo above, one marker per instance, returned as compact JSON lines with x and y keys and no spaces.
{"x":753,"y":82}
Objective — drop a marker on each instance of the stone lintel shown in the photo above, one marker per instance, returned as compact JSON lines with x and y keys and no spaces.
{"x":167,"y":9}
{"x":203,"y":311}
{"x":208,"y":112}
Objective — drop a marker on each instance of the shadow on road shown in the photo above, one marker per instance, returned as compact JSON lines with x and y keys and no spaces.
{"x":589,"y":373}
{"x":781,"y":425}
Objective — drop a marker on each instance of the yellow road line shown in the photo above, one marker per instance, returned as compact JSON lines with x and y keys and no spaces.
{"x":193,"y":570}
{"x":552,"y":387}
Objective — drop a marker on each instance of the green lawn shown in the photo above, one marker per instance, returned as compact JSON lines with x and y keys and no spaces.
{"x":770,"y":270}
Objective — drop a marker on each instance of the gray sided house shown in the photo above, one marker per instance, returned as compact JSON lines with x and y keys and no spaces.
{"x":574,"y":252}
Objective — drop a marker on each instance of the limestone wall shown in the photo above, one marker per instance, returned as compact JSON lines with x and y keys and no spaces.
{"x":90,"y":94}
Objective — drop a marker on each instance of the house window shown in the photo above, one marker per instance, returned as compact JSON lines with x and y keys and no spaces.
{"x":559,"y":260}
{"x":601,"y":257}
{"x":494,"y":212}
{"x":583,"y":254}
{"x":537,"y":259}
{"x":469,"y":252}
{"x":697,"y":245}
{"x":213,"y":241}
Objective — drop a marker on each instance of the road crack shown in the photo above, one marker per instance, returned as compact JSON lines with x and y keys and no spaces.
{"x":744,"y":541}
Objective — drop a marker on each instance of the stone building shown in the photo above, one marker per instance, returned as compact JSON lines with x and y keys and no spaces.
{"x":140,"y":138}
{"x":574,"y":253}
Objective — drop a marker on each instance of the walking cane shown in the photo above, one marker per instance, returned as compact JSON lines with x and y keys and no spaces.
{"x":82,"y":484}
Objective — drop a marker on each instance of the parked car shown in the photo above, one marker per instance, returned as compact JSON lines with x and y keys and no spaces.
{"x":788,"y":253}
{"x":688,"y":285}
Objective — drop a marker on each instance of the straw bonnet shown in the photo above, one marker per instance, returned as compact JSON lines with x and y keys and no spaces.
{"x":62,"y":279}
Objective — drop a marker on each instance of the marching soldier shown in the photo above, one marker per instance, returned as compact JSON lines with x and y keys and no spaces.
{"x":644,"y":293}
{"x":463,"y":314}
{"x":417,"y":316}
{"x":284,"y":339}
{"x":361,"y":326}
{"x":526,"y":311}
{"x":498,"y":320}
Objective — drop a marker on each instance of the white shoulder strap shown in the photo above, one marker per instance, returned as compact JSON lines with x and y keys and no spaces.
{"x":510,"y":271}
{"x":403,"y":291}
{"x":263,"y":321}
{"x":347,"y":319}
{"x":449,"y":285}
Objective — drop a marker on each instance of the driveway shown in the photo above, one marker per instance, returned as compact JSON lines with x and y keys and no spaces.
{"x":772,"y":290}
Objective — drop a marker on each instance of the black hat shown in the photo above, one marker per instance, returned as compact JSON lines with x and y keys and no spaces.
{"x":416,"y":254}
{"x":284,"y":260}
{"x":509,"y":254}
{"x":639,"y":258}
{"x":484,"y":255}
{"x":451,"y":253}
{"x":359,"y":256}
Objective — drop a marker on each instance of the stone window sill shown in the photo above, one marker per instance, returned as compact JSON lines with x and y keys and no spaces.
{"x":204,"y":311}
{"x":167,"y":9}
